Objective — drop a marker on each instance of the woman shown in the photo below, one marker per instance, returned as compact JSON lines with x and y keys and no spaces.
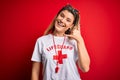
{"x":61,"y":48}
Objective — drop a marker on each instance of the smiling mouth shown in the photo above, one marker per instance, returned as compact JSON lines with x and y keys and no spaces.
{"x":60,"y":23}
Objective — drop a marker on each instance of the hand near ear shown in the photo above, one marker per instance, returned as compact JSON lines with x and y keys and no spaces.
{"x":83,"y":57}
{"x":76,"y":33}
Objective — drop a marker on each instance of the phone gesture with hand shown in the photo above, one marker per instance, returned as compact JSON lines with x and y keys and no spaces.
{"x":75,"y":33}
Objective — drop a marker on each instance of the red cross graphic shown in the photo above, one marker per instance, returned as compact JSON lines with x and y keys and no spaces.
{"x":59,"y":57}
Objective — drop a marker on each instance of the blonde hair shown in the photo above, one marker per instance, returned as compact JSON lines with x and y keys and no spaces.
{"x":50,"y":28}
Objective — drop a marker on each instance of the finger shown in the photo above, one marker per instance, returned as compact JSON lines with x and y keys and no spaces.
{"x":78,"y":27}
{"x":75,"y":28}
{"x":71,"y":36}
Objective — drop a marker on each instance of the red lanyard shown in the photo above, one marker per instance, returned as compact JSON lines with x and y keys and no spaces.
{"x":57,"y":68}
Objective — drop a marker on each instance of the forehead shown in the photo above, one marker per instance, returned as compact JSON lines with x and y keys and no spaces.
{"x":67,"y":14}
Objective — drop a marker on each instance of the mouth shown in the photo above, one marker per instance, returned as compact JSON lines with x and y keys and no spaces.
{"x":60,"y":23}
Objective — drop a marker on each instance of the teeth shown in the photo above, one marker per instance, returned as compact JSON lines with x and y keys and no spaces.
{"x":61,"y":24}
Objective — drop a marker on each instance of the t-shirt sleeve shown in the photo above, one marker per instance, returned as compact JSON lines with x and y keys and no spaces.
{"x":36,"y":56}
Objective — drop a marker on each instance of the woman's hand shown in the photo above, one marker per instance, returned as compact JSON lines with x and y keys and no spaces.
{"x":75,"y":34}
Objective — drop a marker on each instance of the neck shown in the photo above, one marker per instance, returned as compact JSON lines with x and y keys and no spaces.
{"x":59,"y":34}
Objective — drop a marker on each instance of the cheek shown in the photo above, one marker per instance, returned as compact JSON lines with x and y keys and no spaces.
{"x":59,"y":17}
{"x":69,"y":25}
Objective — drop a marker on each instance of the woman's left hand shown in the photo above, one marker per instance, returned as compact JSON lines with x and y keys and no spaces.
{"x":76,"y":34}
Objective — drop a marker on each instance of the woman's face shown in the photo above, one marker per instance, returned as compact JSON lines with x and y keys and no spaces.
{"x":64,"y":21}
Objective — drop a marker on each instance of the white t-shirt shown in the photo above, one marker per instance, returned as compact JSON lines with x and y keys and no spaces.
{"x":44,"y":52}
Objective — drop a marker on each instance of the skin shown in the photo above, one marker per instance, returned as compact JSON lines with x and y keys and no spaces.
{"x":83,"y":60}
{"x":66,"y":18}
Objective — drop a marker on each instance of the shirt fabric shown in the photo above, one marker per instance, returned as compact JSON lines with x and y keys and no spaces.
{"x":45,"y":50}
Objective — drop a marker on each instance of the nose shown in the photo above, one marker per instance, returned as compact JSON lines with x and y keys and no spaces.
{"x":63,"y":20}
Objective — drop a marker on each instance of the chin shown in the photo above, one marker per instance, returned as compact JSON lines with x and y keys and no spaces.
{"x":59,"y":29}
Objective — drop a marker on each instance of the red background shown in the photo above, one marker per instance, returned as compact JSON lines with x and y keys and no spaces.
{"x":23,"y":21}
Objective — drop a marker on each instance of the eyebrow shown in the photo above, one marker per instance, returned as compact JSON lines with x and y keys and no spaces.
{"x":64,"y":15}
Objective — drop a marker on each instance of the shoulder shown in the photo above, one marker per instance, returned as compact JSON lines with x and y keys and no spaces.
{"x":44,"y":38}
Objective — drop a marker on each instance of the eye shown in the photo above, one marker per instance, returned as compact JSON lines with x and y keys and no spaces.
{"x":68,"y":20}
{"x":62,"y":15}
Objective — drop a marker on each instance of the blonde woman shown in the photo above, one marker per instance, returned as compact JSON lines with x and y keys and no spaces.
{"x":61,"y":48}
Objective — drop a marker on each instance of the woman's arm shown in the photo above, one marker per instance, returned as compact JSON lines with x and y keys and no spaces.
{"x":83,"y":57}
{"x":35,"y":71}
